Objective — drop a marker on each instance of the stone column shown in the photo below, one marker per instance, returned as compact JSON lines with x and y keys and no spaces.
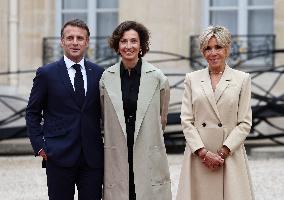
{"x":13,"y":41}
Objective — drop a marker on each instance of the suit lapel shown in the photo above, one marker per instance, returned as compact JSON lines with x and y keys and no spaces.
{"x":208,"y":91}
{"x":64,"y":76}
{"x":113,"y":87}
{"x":148,"y":86}
{"x":91,"y":77}
{"x":223,"y":84}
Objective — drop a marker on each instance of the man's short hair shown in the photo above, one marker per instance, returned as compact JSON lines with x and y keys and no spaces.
{"x":77,"y":23}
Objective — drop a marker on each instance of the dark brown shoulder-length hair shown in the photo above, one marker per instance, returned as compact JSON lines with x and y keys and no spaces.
{"x":142,"y":31}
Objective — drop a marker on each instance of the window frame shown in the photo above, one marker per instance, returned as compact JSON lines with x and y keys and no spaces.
{"x":242,"y":12}
{"x":91,"y":12}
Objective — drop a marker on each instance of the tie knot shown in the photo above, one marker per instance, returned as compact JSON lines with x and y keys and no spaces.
{"x":77,"y":67}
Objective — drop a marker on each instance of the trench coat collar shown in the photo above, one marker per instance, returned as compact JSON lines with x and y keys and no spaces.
{"x":214,"y":97}
{"x":223,"y":83}
{"x":146,"y":91}
{"x":115,"y":94}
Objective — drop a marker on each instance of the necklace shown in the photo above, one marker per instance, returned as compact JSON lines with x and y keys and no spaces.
{"x":211,"y":72}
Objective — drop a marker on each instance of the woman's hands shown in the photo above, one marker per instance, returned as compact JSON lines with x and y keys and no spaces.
{"x":211,"y":160}
{"x":224,"y":152}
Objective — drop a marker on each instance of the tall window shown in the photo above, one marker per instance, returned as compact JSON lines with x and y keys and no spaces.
{"x":100,"y":15}
{"x":242,"y":17}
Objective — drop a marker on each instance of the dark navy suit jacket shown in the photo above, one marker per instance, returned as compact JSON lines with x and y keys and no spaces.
{"x":66,"y":128}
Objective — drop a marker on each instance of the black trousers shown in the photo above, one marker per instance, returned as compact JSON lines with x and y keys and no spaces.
{"x":130,"y":129}
{"x":61,"y":181}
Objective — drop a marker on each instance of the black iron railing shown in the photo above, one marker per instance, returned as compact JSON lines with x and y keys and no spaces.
{"x":98,"y":51}
{"x":267,"y":105}
{"x":248,"y":51}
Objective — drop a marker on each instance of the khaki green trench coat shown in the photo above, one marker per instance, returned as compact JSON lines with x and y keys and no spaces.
{"x":150,"y":165}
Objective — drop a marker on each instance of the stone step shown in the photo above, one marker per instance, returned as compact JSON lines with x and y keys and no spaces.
{"x":267,"y":152}
{"x":19,"y":146}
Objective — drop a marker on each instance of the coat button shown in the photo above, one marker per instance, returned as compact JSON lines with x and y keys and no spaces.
{"x":203,"y":124}
{"x":220,"y":125}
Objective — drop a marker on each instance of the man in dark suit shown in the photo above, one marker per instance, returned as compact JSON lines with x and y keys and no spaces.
{"x":63,"y":119}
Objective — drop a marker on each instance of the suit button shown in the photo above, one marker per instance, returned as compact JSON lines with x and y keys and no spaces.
{"x":220,"y":125}
{"x":203,"y":124}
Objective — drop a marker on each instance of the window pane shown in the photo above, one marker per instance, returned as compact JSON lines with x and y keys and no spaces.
{"x":260,"y":2}
{"x":106,"y":22}
{"x":228,"y":19}
{"x":107,"y":4}
{"x":70,"y":16}
{"x":74,"y":4}
{"x":260,"y":22}
{"x":223,"y":3}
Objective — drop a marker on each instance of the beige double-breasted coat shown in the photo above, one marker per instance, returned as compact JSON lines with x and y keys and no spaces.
{"x":212,"y":119}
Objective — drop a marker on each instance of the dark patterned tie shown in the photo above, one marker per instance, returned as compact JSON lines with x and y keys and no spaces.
{"x":79,"y":84}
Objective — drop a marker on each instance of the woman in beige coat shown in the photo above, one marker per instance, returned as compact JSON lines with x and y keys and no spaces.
{"x":135,"y":97}
{"x":216,"y":118}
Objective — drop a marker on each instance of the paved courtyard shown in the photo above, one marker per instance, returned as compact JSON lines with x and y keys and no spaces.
{"x":21,"y":177}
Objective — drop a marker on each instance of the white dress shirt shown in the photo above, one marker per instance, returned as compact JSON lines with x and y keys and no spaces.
{"x":71,"y":71}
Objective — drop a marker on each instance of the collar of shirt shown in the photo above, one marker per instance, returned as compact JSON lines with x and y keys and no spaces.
{"x":69,"y":63}
{"x":71,"y":71}
{"x":136,"y":69}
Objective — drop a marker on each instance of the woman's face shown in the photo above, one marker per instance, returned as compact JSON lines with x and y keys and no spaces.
{"x":215,"y":54}
{"x":129,"y":46}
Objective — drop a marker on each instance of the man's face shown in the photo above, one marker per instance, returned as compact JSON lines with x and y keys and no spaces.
{"x":74,"y":42}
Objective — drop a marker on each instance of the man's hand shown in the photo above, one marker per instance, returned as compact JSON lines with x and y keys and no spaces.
{"x":42,"y":154}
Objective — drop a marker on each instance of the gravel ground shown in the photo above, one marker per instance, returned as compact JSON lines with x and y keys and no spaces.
{"x":21,"y":177}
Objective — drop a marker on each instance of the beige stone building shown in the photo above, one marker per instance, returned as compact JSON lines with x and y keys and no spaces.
{"x":25,"y":24}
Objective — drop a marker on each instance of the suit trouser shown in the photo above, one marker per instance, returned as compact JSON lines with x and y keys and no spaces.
{"x":61,"y":181}
{"x":130,"y":129}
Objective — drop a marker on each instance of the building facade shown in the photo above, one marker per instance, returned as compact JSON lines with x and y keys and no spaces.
{"x":25,"y":24}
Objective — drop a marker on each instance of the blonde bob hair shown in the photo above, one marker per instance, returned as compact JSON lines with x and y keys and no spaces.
{"x":222,"y":35}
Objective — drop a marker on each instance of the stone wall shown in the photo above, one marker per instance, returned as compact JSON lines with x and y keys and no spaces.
{"x":170,"y":22}
{"x":4,"y":10}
